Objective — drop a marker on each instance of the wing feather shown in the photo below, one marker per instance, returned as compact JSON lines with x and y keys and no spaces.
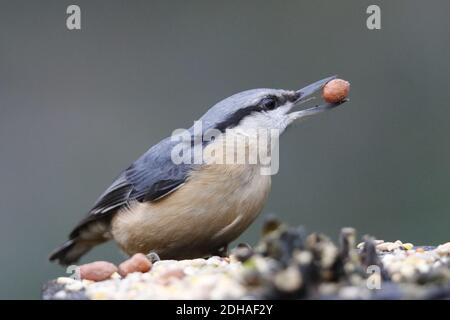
{"x":149,"y":178}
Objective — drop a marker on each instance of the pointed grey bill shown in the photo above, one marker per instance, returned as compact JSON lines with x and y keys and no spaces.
{"x":319,"y":108}
{"x":313,"y":88}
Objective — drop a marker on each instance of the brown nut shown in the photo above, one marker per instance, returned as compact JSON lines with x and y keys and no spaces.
{"x":336,"y":90}
{"x":137,"y":263}
{"x":97,"y":271}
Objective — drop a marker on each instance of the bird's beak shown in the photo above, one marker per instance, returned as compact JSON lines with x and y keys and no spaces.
{"x":306,"y":93}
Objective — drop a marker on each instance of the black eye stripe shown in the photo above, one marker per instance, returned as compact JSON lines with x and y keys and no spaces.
{"x":234,"y":119}
{"x":293,"y":97}
{"x":268,"y":103}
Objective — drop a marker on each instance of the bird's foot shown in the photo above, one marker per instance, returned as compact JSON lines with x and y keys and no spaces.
{"x":153,"y":257}
{"x":221,"y":252}
{"x":243,"y":252}
{"x":244,"y":245}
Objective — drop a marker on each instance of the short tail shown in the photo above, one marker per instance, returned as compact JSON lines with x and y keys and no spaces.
{"x":71,"y":251}
{"x":87,"y":234}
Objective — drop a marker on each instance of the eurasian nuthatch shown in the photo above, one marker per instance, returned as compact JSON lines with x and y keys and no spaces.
{"x":189,"y":210}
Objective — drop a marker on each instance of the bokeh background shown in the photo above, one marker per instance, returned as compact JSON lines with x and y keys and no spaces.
{"x":76,"y":107}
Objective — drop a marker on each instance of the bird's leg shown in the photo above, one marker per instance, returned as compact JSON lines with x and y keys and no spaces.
{"x":221,"y":252}
{"x":244,"y":245}
{"x":153,"y":257}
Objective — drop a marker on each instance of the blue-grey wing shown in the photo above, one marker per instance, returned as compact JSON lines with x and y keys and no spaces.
{"x":150,"y":177}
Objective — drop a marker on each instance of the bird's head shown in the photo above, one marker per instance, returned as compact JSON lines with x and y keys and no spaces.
{"x":265,"y":108}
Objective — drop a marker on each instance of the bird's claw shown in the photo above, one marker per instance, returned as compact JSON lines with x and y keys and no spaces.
{"x":153,"y":257}
{"x":221,"y":252}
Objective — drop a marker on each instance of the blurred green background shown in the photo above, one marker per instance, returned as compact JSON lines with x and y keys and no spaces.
{"x":76,"y":107}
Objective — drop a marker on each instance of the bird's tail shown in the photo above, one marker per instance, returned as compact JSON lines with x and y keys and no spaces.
{"x":83,"y":238}
{"x":71,"y":251}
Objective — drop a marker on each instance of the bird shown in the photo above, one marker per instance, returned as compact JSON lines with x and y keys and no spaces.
{"x":192,"y":210}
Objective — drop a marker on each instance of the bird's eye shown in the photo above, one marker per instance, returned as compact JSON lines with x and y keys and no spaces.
{"x":268,"y":103}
